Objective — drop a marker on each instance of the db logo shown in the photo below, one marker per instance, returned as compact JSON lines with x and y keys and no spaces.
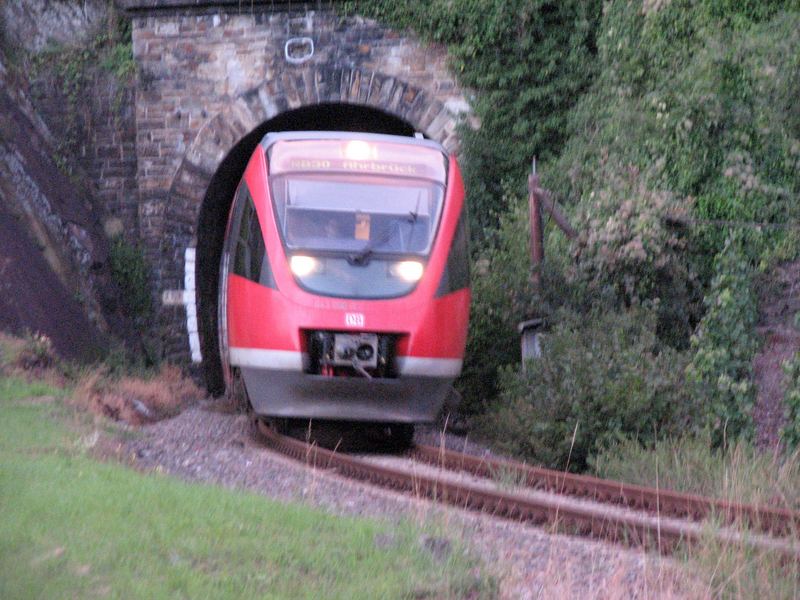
{"x":354,"y":319}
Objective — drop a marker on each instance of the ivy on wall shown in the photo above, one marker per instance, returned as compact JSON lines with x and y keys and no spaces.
{"x":527,"y":62}
{"x":72,"y":68}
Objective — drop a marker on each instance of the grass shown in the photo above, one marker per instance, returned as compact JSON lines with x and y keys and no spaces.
{"x":71,"y":526}
{"x":13,"y":388}
{"x":10,"y":348}
{"x":727,"y":571}
{"x":742,"y":474}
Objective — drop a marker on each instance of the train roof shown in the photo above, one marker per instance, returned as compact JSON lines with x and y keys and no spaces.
{"x":273,"y":137}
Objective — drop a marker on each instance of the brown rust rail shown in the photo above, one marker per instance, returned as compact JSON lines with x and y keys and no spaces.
{"x":596,"y":520}
{"x":775,"y":521}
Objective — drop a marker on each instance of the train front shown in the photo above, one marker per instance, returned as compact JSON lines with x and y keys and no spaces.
{"x":351,"y":299}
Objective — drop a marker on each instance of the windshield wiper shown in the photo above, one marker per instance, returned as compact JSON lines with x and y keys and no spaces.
{"x":362,"y":256}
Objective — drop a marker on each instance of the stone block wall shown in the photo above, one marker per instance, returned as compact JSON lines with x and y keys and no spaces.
{"x":108,"y":154}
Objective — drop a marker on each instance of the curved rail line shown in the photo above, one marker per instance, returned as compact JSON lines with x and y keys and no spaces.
{"x":586,"y":518}
{"x":775,"y":521}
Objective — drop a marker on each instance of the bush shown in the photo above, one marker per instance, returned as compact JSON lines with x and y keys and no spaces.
{"x":628,"y":247}
{"x":724,"y":345}
{"x":601,"y":378}
{"x":696,"y":95}
{"x":503,"y":296}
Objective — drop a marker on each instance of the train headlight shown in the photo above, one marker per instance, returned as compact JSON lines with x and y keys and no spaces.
{"x":302,"y":265}
{"x":407,"y":270}
{"x":358,"y":150}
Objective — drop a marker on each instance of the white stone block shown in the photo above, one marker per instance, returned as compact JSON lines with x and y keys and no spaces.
{"x":188,"y":280}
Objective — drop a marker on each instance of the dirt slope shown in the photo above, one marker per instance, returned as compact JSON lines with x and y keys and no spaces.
{"x":54,"y":276}
{"x":32,"y":296}
{"x":779,"y":304}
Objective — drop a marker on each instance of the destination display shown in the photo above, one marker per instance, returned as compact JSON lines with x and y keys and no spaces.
{"x":374,"y":158}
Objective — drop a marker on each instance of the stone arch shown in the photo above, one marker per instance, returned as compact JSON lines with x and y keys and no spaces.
{"x":314,"y":85}
{"x":237,"y":129}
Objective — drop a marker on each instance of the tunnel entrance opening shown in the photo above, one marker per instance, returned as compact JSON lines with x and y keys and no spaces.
{"x":219,"y":195}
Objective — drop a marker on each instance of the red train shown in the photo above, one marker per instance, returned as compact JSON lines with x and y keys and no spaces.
{"x":344,"y":284}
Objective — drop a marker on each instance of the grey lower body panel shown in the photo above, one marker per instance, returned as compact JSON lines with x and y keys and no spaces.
{"x":293,"y":394}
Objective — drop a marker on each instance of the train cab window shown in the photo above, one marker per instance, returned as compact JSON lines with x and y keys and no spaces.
{"x":349,"y":213}
{"x":249,"y":259}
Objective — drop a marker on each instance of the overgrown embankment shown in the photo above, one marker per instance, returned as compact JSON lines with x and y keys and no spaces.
{"x":670,"y":132}
{"x":682,"y":171}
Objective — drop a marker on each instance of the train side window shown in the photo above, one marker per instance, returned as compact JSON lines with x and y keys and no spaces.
{"x":250,"y":251}
{"x":232,"y":233}
{"x":456,"y":271}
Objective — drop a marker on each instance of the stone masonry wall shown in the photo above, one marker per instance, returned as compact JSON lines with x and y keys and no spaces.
{"x":108,"y":154}
{"x":103,"y":146}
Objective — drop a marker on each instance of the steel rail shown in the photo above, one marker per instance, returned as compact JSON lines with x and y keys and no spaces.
{"x":591,"y":519}
{"x":775,"y":521}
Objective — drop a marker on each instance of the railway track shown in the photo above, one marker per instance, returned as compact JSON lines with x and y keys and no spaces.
{"x":629,"y":514}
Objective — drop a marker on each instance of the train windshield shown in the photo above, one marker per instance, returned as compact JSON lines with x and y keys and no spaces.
{"x":358,"y":216}
{"x":357,"y":195}
{"x":357,"y":212}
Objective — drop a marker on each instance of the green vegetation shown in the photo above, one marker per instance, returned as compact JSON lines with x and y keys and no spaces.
{"x":74,"y":527}
{"x":131,"y":273}
{"x":724,"y":345}
{"x":683,"y":463}
{"x":669,"y":131}
{"x":501,"y":293}
{"x":602,"y":377}
{"x":694,"y":99}
{"x":14,"y":388}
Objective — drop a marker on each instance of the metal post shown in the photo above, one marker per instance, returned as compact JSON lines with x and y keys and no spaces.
{"x":537,"y":241}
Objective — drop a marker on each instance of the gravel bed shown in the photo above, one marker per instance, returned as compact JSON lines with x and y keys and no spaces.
{"x":204,"y":444}
{"x":433,"y":436}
